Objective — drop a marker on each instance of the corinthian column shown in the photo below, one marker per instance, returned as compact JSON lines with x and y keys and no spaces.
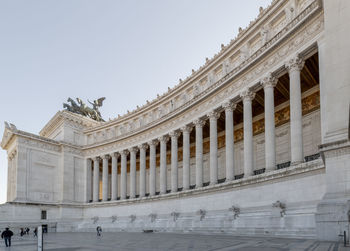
{"x":199,"y":123}
{"x":294,"y":67}
{"x":186,"y":130}
{"x":213,"y":117}
{"x":247,"y":97}
{"x":143,"y":149}
{"x":105,"y":177}
{"x":123,"y":175}
{"x":152,"y":167}
{"x":269,"y":83}
{"x":96,"y":179}
{"x":114,"y":176}
{"x":174,"y":169}
{"x":163,"y":168}
{"x":133,"y":152}
{"x":229,"y":139}
{"x":88,"y":179}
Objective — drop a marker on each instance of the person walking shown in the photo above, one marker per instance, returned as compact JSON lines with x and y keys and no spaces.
{"x":7,"y":234}
{"x":35,"y":232}
{"x":99,"y":230}
{"x":22,"y":231}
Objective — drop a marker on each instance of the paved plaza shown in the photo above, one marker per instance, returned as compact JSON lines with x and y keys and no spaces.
{"x":165,"y":241}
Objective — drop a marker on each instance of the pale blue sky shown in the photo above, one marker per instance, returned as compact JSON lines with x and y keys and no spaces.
{"x":127,"y":51}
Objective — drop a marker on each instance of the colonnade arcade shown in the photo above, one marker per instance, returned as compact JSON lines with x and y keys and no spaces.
{"x":223,"y":127}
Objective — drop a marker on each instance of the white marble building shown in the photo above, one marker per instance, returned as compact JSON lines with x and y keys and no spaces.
{"x":254,"y":142}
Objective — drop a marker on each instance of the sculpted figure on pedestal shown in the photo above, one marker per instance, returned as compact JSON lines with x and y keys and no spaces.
{"x":84,"y":110}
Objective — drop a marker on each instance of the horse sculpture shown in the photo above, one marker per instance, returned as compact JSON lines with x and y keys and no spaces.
{"x":83,"y":109}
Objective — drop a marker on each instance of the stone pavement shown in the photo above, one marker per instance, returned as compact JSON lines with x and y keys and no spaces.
{"x":165,"y":241}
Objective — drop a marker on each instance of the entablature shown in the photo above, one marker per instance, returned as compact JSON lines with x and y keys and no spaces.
{"x":296,"y":37}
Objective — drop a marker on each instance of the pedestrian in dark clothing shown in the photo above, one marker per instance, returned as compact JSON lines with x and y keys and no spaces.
{"x":27,"y":230}
{"x":99,"y":230}
{"x":7,"y":234}
{"x":35,"y":232}
{"x":22,"y":232}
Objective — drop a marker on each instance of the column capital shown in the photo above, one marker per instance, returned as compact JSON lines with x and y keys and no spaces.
{"x":186,"y":129}
{"x":163,"y":138}
{"x":213,"y":115}
{"x":174,"y":134}
{"x":153,"y":142}
{"x":106,"y":156}
{"x":133,"y":149}
{"x":143,"y":146}
{"x":199,"y":123}
{"x":124,"y":152}
{"x":115,"y":155}
{"x":294,"y":64}
{"x":229,"y":106}
{"x":247,"y":95}
{"x":269,"y":81}
{"x":97,"y":158}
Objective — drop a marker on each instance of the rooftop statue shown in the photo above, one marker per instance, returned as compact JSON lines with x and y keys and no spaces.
{"x":81,"y":108}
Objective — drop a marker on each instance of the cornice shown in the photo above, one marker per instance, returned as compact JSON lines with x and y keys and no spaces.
{"x":30,"y":139}
{"x":61,"y":116}
{"x":236,"y":74}
{"x":243,"y":34}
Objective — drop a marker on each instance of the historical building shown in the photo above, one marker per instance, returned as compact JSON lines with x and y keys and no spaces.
{"x":254,"y":142}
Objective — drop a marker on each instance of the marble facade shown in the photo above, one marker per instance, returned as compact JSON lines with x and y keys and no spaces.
{"x":254,"y":142}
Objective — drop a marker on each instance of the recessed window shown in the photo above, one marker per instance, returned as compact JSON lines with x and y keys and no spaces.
{"x":43,"y":214}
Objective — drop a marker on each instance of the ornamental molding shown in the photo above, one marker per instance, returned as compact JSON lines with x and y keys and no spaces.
{"x":291,"y":25}
{"x":244,"y":34}
{"x":290,"y":47}
{"x":76,"y":121}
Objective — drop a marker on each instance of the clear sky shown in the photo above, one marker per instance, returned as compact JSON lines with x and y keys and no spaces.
{"x":127,"y":51}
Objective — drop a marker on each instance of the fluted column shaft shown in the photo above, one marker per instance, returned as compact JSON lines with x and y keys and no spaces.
{"x":186,"y":157}
{"x":199,"y":123}
{"x":114,"y":189}
{"x":152,"y":166}
{"x":213,"y":117}
{"x":229,"y":140}
{"x":163,"y":166}
{"x":174,"y":161}
{"x":88,"y":179}
{"x":123,"y":175}
{"x":142,"y":170}
{"x":133,"y":172}
{"x":294,"y":67}
{"x":269,"y":84}
{"x":96,"y":179}
{"x":248,"y":132}
{"x":105,"y":177}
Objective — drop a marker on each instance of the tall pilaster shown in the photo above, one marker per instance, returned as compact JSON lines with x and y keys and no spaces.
{"x":143,"y":149}
{"x":186,"y":130}
{"x":269,"y":84}
{"x":294,"y":67}
{"x":152,"y":167}
{"x":174,"y":163}
{"x":123,"y":174}
{"x":229,"y":139}
{"x":163,"y":166}
{"x":213,"y":117}
{"x":96,"y":179}
{"x":88,"y":180}
{"x":199,"y":123}
{"x":133,"y":152}
{"x":247,"y":97}
{"x":105,"y":159}
{"x":114,"y":189}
